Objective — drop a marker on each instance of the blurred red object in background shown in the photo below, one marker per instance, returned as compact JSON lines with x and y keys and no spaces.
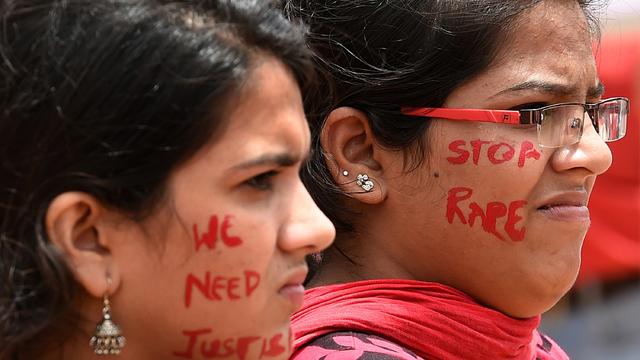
{"x":611,"y":250}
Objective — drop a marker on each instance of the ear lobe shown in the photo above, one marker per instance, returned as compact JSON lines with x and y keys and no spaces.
{"x":349,"y":145}
{"x":73,"y":224}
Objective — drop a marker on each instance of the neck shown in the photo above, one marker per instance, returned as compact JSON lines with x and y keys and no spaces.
{"x":343,"y":263}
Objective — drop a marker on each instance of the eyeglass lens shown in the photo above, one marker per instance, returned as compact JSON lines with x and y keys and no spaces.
{"x":562,"y":125}
{"x":612,"y":119}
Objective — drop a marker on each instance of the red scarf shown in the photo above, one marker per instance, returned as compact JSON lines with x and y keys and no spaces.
{"x":432,"y":320}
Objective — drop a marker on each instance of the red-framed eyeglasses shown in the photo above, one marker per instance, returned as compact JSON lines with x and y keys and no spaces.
{"x":558,"y":124}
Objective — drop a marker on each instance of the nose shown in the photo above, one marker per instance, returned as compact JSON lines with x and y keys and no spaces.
{"x":590,"y":153}
{"x":307,"y":229}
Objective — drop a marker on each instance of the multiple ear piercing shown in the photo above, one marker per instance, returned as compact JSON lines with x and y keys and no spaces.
{"x":362,"y":180}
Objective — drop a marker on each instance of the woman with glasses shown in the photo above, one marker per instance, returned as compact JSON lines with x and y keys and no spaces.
{"x":456,"y":145}
{"x":150,"y":199}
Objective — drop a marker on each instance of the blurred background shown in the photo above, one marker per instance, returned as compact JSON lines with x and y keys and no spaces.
{"x":600,"y":317}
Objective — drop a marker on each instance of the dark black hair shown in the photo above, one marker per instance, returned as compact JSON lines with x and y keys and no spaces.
{"x":377,"y":56}
{"x":107,"y":98}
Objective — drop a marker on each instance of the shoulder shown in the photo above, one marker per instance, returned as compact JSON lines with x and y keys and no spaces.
{"x":350,"y":345}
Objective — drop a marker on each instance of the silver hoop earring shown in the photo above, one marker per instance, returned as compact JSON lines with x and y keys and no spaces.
{"x":364,"y":182}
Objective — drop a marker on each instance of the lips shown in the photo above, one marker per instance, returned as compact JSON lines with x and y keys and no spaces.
{"x":293,"y":290}
{"x":567,"y":206}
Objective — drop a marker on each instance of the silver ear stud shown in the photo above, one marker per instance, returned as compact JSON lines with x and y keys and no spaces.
{"x":364,"y":182}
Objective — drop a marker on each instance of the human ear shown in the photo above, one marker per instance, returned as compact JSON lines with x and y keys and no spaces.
{"x":76,"y":225}
{"x":350,"y":146}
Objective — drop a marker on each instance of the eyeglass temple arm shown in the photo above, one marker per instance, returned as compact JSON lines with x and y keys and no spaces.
{"x":495,"y":116}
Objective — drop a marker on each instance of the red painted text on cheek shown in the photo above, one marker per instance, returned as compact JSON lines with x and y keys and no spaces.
{"x":215,"y":288}
{"x":199,"y":345}
{"x":488,"y":215}
{"x":210,"y":238}
{"x":496,"y":152}
{"x":212,"y":286}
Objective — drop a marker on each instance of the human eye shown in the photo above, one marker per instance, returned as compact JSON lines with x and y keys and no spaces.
{"x":527,"y":106}
{"x":262,"y":182}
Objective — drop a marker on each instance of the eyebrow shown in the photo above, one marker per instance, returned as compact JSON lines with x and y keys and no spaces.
{"x":277,"y":159}
{"x":552,"y":88}
{"x":597,"y":91}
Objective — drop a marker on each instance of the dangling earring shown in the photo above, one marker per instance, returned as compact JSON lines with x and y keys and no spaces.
{"x":107,"y":339}
{"x":364,"y":182}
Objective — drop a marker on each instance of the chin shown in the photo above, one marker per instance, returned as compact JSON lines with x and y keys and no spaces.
{"x":544,"y":292}
{"x":537,"y":291}
{"x":530,"y":307}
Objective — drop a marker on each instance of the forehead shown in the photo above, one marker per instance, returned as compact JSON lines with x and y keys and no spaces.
{"x":554,"y":35}
{"x":265,"y":115}
{"x":268,"y":110}
{"x":549,"y":43}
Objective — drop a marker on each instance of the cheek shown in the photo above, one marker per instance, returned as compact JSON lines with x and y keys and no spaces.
{"x":484,"y":155}
{"x":487,"y":183}
{"x":231,"y":260}
{"x":227,"y":280}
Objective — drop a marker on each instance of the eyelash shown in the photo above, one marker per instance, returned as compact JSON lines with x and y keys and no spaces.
{"x":263,"y":181}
